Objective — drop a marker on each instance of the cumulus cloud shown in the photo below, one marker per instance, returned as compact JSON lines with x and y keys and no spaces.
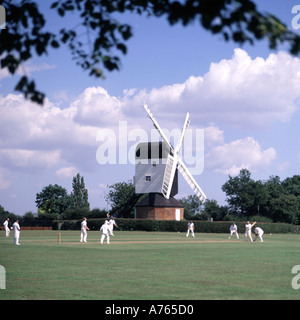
{"x":29,"y":159}
{"x":66,"y":172}
{"x":31,"y":135}
{"x":96,"y":107}
{"x":247,"y":153}
{"x":241,"y":91}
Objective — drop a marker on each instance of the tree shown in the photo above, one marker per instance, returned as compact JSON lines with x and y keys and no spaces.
{"x":213,"y":210}
{"x":285,"y":208}
{"x":238,"y":191}
{"x":191,"y":206}
{"x":4,"y":214}
{"x":119,"y":195}
{"x":25,"y":34}
{"x":282,"y":200}
{"x":52,"y":200}
{"x":79,"y":195}
{"x":244,"y":195}
{"x":292,"y":185}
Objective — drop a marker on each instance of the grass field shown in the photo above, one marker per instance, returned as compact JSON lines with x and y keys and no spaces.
{"x":148,"y":266}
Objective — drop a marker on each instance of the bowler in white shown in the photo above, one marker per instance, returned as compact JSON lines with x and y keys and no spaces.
{"x":111,"y":224}
{"x":16,"y":228}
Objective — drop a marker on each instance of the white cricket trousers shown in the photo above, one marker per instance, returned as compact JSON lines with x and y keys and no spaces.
{"x":192,"y":231}
{"x":103,"y":237}
{"x":83,"y":235}
{"x":248,"y":235}
{"x":260,"y":237}
{"x":16,"y":239}
{"x":232,"y":232}
{"x":7,"y":231}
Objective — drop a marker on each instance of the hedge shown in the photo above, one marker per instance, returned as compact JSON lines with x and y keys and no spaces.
{"x":172,"y":226}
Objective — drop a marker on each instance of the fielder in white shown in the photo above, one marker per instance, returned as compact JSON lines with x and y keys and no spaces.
{"x":190,"y":228}
{"x":6,"y":228}
{"x":258,"y":233}
{"x":105,"y":232}
{"x":16,"y":228}
{"x":233,"y":230}
{"x":248,"y":227}
{"x":111,"y":225}
{"x":84,"y":228}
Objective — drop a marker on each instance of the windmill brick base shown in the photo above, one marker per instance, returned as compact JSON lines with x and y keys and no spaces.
{"x":155,"y":207}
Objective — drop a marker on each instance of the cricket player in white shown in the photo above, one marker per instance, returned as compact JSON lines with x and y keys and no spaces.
{"x":248,"y":227}
{"x":258,"y":233}
{"x":233,"y":229}
{"x":111,"y":224}
{"x":84,"y":228}
{"x":190,"y":228}
{"x":16,"y":228}
{"x":6,"y":228}
{"x":105,"y":232}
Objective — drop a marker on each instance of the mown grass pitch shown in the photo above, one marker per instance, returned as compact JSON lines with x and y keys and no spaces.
{"x":148,"y":266}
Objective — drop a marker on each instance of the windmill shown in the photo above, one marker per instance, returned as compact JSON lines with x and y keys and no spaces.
{"x":157,"y":171}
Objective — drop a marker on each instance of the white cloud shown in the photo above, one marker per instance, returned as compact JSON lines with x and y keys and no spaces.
{"x":96,"y":107}
{"x":26,"y":159}
{"x":283,"y":166}
{"x":66,"y":172}
{"x":29,"y":67}
{"x":241,"y":92}
{"x":239,"y":154}
{"x":32,"y":135}
{"x":213,"y":136}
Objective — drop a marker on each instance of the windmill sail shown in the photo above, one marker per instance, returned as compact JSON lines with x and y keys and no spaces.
{"x":169,"y":174}
{"x":172,"y":162}
{"x":185,"y":126}
{"x":191,"y":181}
{"x":158,"y":128}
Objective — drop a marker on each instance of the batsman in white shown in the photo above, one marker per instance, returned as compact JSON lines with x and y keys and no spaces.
{"x":16,"y":228}
{"x":248,"y":227}
{"x":190,"y":228}
{"x":105,"y":232}
{"x":6,"y":228}
{"x":233,"y":229}
{"x":84,"y":229}
{"x":258,"y":233}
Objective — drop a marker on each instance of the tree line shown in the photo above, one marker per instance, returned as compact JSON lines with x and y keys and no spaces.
{"x":271,"y":200}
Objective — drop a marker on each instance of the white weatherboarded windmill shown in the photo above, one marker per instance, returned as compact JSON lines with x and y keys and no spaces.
{"x":156,"y":173}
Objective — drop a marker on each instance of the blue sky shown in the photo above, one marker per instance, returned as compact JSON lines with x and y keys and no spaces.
{"x":246,"y":101}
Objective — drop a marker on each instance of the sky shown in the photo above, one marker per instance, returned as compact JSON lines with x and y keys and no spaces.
{"x":243,"y":104}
